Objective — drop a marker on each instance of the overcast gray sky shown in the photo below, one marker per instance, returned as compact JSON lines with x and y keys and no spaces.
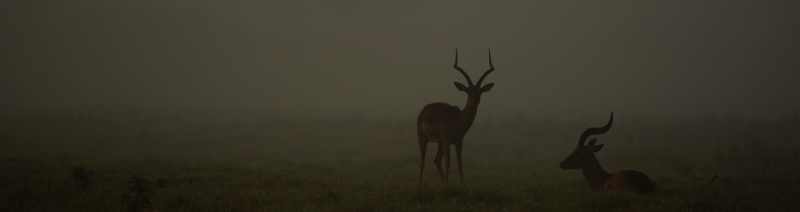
{"x":391,"y":57}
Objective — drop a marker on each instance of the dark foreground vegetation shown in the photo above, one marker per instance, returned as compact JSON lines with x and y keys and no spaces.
{"x":125,"y":162}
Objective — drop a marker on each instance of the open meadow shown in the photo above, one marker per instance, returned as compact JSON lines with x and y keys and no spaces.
{"x":125,"y":162}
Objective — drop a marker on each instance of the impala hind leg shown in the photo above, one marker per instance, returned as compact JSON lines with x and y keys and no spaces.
{"x":446,"y":163}
{"x":423,"y":143}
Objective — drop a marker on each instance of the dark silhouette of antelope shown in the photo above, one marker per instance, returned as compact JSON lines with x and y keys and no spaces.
{"x":599,"y":180}
{"x":446,"y":124}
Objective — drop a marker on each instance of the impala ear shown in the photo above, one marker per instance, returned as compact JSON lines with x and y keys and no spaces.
{"x":592,"y":142}
{"x":597,"y":148}
{"x":460,"y":86}
{"x":487,"y":87}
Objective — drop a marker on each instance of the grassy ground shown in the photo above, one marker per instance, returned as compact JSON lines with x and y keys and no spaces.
{"x":60,"y":163}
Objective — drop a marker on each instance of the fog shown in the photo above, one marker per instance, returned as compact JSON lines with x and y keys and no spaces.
{"x":310,"y":105}
{"x":389,"y":58}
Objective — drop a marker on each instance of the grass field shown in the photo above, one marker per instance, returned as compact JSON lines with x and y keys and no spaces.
{"x":132,"y":163}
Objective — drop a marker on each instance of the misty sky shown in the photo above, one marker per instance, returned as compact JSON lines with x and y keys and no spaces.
{"x":391,"y":57}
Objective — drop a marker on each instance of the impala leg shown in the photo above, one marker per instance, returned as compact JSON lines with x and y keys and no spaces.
{"x":438,"y":160}
{"x":460,"y":165}
{"x":446,"y":162}
{"x":422,"y":149}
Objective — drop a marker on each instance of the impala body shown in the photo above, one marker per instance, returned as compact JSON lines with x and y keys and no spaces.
{"x":583,"y":158}
{"x":446,"y":125}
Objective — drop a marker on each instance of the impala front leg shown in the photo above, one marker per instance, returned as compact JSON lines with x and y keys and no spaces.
{"x":460,"y":165}
{"x":438,"y":161}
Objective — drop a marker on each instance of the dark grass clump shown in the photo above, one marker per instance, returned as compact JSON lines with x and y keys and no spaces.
{"x":21,"y":199}
{"x":82,"y":177}
{"x":139,"y":195}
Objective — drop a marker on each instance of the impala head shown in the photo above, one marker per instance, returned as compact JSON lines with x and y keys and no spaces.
{"x":474,"y":89}
{"x":584,"y":153}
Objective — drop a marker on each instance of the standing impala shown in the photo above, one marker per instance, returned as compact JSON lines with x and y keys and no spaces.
{"x":599,"y":180}
{"x":446,"y":125}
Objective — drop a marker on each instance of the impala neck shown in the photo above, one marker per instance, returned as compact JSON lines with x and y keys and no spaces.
{"x":595,"y":173}
{"x":470,"y":110}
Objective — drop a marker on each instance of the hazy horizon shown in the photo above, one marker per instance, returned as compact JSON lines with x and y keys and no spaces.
{"x":389,"y":58}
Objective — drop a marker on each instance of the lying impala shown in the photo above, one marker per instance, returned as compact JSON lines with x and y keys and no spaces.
{"x":583,"y":158}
